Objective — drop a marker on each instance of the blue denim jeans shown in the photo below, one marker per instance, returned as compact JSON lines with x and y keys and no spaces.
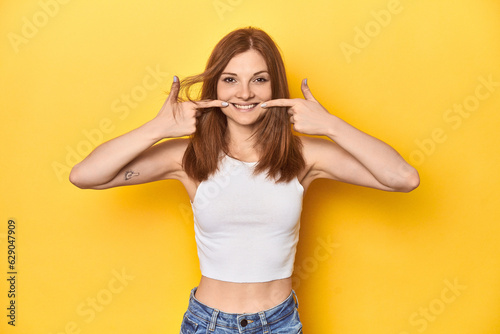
{"x":280,"y":319}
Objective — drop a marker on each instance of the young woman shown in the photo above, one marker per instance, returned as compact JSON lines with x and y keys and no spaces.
{"x":245,"y":173}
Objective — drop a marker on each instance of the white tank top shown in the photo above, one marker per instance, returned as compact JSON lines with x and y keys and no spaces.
{"x":246,"y":226}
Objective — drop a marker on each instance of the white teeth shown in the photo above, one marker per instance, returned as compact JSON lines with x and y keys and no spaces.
{"x":250,"y":106}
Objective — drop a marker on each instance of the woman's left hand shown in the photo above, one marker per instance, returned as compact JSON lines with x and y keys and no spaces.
{"x":307,"y":115}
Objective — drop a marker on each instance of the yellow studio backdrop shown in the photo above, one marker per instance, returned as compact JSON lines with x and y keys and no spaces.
{"x":424,"y":76}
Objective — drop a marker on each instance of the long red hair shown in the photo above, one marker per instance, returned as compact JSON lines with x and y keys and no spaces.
{"x":279,"y":149}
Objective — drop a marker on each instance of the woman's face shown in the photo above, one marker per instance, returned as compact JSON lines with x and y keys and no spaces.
{"x":245,"y":84}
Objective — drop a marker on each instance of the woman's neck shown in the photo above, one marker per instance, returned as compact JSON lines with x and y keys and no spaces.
{"x":241,"y":145}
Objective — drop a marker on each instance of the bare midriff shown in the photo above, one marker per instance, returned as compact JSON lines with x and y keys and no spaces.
{"x":233,"y":297}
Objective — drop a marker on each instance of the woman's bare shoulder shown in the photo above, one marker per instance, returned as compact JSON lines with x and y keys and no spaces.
{"x":321,"y":156}
{"x":312,"y":146}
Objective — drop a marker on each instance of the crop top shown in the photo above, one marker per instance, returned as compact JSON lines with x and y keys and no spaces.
{"x":246,"y":226}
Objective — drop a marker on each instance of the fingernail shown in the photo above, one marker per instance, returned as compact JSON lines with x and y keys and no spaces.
{"x":225,"y":104}
{"x":263,"y":105}
{"x":176,"y":78}
{"x":305,"y":81}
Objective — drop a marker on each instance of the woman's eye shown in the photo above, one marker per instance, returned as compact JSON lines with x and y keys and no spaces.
{"x":229,"y":80}
{"x":261,"y":79}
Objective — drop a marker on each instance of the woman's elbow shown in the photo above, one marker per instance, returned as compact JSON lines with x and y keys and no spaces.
{"x":76,"y":179}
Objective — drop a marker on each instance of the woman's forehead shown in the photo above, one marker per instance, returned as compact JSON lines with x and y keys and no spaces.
{"x":248,"y":62}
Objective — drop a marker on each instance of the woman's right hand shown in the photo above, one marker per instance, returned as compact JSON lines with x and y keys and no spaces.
{"x":178,"y":119}
{"x":135,"y":153}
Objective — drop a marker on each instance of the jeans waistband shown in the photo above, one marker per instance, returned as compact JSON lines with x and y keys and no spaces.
{"x":241,"y":321}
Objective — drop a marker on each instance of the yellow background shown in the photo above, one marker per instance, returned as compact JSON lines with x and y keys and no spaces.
{"x":67,"y":68}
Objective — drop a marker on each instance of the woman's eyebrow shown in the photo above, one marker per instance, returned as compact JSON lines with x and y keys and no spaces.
{"x":256,"y":73}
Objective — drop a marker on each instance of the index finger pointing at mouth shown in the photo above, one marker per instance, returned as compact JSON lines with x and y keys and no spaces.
{"x":277,"y":103}
{"x":211,"y":104}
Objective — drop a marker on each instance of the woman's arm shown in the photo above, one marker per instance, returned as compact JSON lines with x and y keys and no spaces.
{"x":133,"y":158}
{"x":354,"y":156}
{"x":129,"y":159}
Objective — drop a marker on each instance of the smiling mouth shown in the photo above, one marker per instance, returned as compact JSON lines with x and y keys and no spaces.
{"x":244,"y":106}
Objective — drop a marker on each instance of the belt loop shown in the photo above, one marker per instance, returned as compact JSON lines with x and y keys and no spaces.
{"x":296,"y":299}
{"x":213,"y":321}
{"x":265,"y":326}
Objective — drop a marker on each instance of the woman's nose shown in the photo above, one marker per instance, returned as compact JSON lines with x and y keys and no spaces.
{"x":245,"y":92}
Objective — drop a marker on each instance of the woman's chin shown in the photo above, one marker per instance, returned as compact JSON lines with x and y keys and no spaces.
{"x":245,"y":118}
{"x":244,"y":121}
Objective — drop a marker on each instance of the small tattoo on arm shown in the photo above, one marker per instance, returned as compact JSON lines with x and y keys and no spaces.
{"x":130,"y":174}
